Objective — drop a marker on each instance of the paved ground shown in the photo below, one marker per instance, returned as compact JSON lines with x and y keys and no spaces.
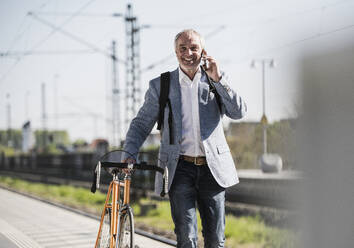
{"x":29,"y":223}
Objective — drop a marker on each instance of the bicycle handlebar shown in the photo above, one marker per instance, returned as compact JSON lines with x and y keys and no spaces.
{"x":138,"y":166}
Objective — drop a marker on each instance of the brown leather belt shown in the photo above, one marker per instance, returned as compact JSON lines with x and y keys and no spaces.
{"x":199,"y":161}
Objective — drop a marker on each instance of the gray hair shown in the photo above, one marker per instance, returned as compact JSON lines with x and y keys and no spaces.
{"x":190,"y":31}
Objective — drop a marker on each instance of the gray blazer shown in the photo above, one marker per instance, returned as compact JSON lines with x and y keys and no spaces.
{"x":217,"y":151}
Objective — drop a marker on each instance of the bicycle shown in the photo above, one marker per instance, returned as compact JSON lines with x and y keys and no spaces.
{"x":117,"y":220}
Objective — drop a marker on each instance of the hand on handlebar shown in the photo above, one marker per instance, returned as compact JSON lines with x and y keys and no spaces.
{"x":129,"y":161}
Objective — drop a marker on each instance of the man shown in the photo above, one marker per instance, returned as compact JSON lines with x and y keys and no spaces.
{"x":199,"y":161}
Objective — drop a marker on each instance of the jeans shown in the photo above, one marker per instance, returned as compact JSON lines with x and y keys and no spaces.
{"x":195,"y":185}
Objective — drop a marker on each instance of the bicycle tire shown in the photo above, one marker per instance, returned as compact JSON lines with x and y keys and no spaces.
{"x":126,"y":229}
{"x":105,"y":235}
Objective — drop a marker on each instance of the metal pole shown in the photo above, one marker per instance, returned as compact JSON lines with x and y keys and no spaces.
{"x":115,"y":98}
{"x":129,"y":72}
{"x":263,"y":85}
{"x":133,"y":65}
{"x":264,"y":114}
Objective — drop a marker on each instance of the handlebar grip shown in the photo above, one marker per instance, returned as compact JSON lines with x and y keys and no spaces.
{"x":96,"y":178}
{"x":93,"y":186}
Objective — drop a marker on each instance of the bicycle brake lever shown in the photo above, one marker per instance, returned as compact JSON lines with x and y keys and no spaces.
{"x":98,"y":171}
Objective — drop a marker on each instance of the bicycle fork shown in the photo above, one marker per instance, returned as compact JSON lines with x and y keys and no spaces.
{"x":124,"y":208}
{"x":115,"y":209}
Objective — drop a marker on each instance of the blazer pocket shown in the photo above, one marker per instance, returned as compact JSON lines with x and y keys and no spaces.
{"x":223,"y":148}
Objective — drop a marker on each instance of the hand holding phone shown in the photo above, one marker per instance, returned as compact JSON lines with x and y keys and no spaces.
{"x":204,"y":61}
{"x":210,"y":66}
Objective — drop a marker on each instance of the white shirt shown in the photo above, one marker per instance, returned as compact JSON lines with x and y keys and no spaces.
{"x":191,"y":143}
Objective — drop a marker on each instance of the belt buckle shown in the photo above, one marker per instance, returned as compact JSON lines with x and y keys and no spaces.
{"x":195,"y":161}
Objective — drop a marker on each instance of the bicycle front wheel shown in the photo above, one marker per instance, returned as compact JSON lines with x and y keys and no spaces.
{"x":126,"y":229}
{"x":105,"y":235}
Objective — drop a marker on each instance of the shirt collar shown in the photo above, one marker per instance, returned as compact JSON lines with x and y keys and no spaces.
{"x":184,"y":78}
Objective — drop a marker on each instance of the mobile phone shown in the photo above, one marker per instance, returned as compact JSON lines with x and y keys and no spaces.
{"x":204,"y":62}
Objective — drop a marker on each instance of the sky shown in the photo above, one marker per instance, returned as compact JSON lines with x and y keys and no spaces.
{"x":78,"y":79}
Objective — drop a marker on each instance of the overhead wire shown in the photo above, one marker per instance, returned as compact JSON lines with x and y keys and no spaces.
{"x":162,"y":26}
{"x":45,"y":38}
{"x":316,"y":36}
{"x":16,"y":39}
{"x":296,"y":42}
{"x":292,"y":15}
{"x":18,"y":35}
{"x":44,"y":52}
{"x":57,"y":28}
{"x":80,"y":14}
{"x":303,"y":12}
{"x":72,"y":36}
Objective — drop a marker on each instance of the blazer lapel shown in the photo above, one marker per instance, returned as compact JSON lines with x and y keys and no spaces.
{"x":175,"y":98}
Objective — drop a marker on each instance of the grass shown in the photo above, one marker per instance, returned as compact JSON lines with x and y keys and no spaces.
{"x":75,"y":197}
{"x":243,"y":232}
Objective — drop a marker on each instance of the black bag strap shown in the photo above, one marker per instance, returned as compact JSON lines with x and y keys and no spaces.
{"x":164,"y":90}
{"x":170,"y":125}
{"x":163,"y":100}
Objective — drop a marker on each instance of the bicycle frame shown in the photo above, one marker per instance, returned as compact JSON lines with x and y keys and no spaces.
{"x":117,"y":212}
{"x":114,"y":190}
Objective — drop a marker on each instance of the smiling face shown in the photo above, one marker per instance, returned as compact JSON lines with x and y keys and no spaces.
{"x":188,"y":52}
